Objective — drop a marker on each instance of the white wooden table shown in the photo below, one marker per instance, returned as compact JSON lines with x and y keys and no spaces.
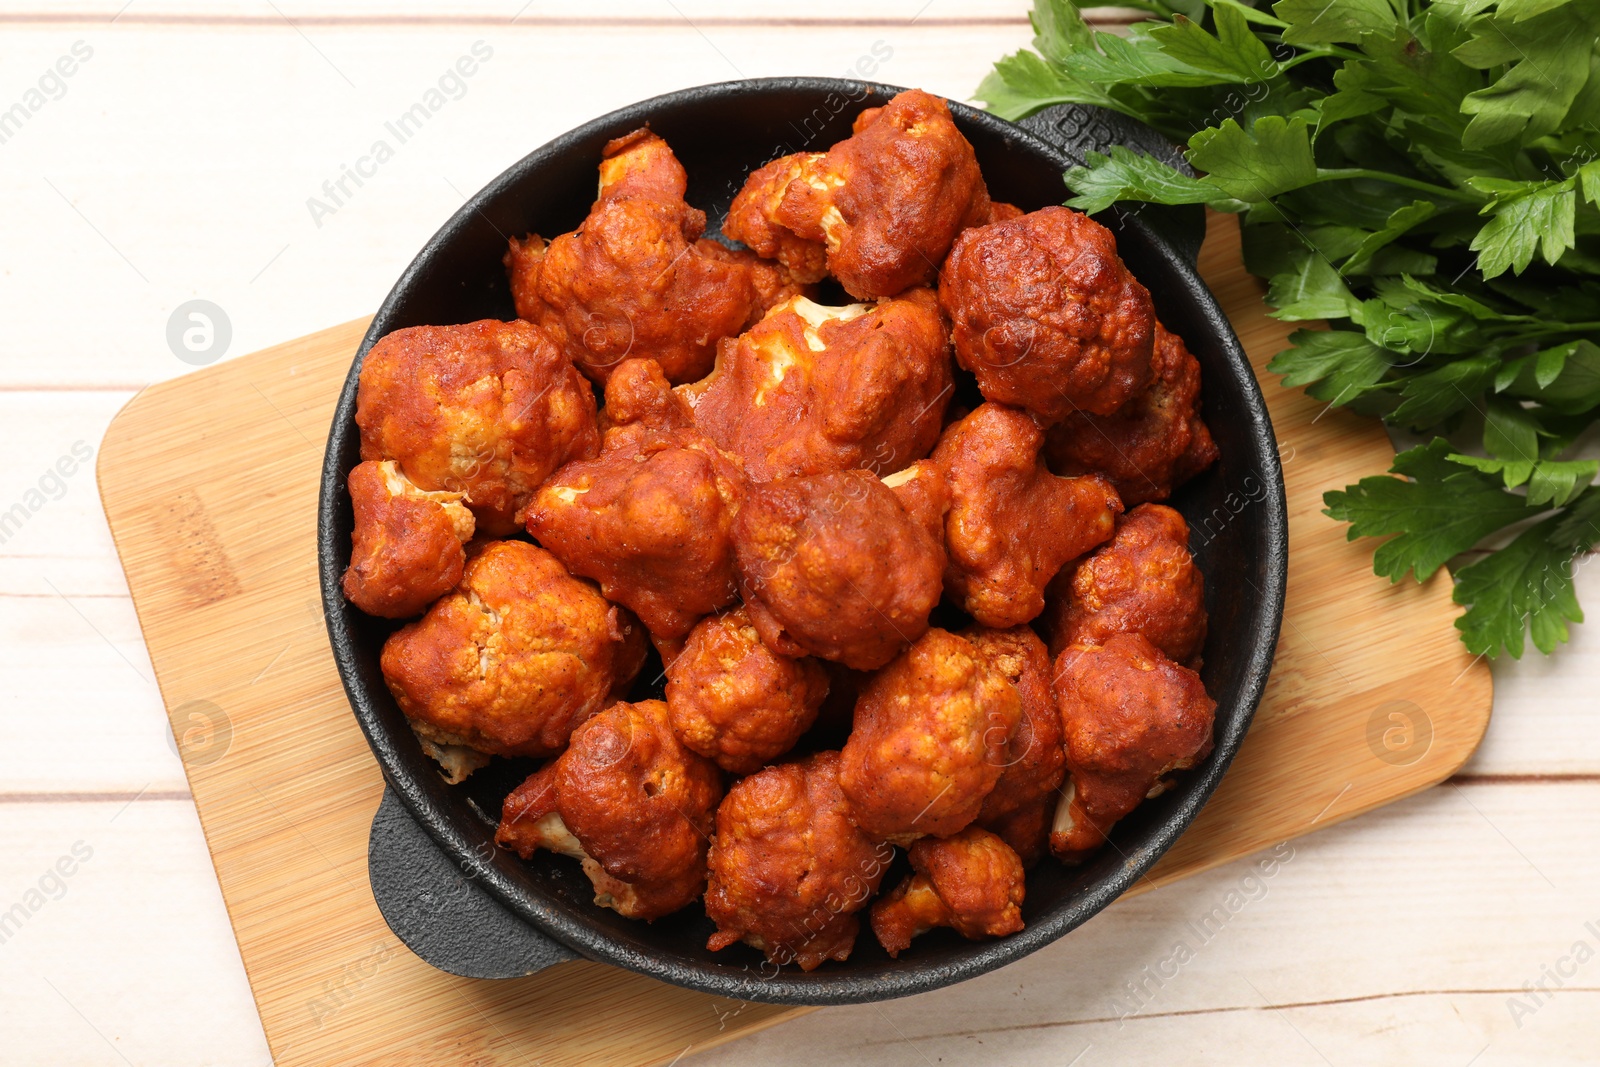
{"x":176,"y":162}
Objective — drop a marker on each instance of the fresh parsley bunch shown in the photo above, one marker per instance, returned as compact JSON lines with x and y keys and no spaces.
{"x":1426,"y":178}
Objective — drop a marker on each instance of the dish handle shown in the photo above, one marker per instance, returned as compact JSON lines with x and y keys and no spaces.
{"x":444,"y":917}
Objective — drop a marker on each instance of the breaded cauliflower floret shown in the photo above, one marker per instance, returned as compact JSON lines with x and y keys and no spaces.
{"x":1130,"y":718}
{"x":885,"y":202}
{"x":405,"y":549}
{"x":640,"y":404}
{"x":751,"y":219}
{"x":1047,"y":316}
{"x":932,"y":730}
{"x":1151,"y":444}
{"x":1012,"y":524}
{"x":633,"y":281}
{"x":640,"y":164}
{"x":1000,"y":212}
{"x":774,"y":283}
{"x":487,"y":409}
{"x":972,"y":882}
{"x":456,"y":761}
{"x":811,"y":389}
{"x":513,"y":659}
{"x":1142,"y":581}
{"x":789,"y":869}
{"x":735,"y":701}
{"x":833,"y":565}
{"x":1027,"y":830}
{"x":651,"y":517}
{"x":628,"y":800}
{"x":924,"y":493}
{"x":1018,"y":806}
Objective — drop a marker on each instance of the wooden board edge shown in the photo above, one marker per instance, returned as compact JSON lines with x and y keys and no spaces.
{"x":116,"y":447}
{"x":1481,"y":709}
{"x":736,"y":1031}
{"x":119,"y":443}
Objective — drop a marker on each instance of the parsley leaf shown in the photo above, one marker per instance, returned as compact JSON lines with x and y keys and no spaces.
{"x":1135,"y":60}
{"x":1313,"y":290}
{"x":1565,"y":378}
{"x":1524,"y":586}
{"x":1127,"y":175}
{"x":1400,"y":222}
{"x":1023,"y":83}
{"x":1528,"y":216}
{"x":1336,"y":365}
{"x":1440,"y":513}
{"x":1333,"y":21}
{"x":1511,"y":435}
{"x":1546,"y":59}
{"x":1589,"y":176}
{"x":1234,"y":54}
{"x":1579,"y":526}
{"x":1524,"y":9}
{"x":1556,"y":482}
{"x":1274,"y":157}
{"x":1551,"y":482}
{"x":1443,"y":391}
{"x":1418,"y":82}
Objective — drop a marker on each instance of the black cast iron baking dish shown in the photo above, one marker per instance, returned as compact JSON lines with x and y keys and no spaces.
{"x":721,"y":132}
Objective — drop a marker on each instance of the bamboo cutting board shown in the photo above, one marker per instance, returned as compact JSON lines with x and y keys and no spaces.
{"x":210,"y":484}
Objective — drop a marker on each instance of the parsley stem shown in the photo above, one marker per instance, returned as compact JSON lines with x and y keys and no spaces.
{"x":1559,"y":327}
{"x":1260,"y":18}
{"x":1324,"y":175}
{"x":1317,"y":53}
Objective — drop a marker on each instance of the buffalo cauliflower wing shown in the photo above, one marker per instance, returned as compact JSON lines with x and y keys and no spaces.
{"x":640,"y":164}
{"x":1151,"y":444}
{"x":1142,"y":581}
{"x":487,"y":409}
{"x":810,"y":389}
{"x":773,"y":282}
{"x":405,"y":549}
{"x":1012,"y":524}
{"x":1034,"y":762}
{"x":1047,"y":316}
{"x":753,"y":213}
{"x":789,"y":868}
{"x":1027,"y":829}
{"x":971,"y":882}
{"x":885,"y":202}
{"x":1130,"y":718}
{"x":513,"y":659}
{"x":629,"y":801}
{"x":833,"y":565}
{"x":641,"y":404}
{"x":651,"y":517}
{"x":1001,"y":212}
{"x":924,"y":493}
{"x":633,"y":281}
{"x":735,"y":701}
{"x":932,"y":732}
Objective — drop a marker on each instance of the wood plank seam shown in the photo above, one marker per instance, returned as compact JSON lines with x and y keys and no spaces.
{"x":401,"y":22}
{"x":92,"y":797}
{"x":1233,"y":1009}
